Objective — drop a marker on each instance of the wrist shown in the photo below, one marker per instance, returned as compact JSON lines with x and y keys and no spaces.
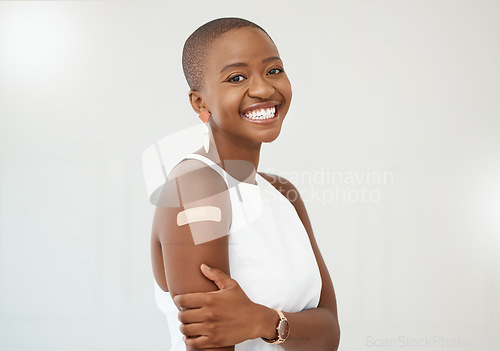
{"x":265,"y":323}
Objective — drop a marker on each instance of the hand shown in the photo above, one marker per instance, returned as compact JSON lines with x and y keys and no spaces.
{"x":217,"y":318}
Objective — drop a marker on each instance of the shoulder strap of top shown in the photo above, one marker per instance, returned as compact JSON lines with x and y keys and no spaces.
{"x":210,"y":163}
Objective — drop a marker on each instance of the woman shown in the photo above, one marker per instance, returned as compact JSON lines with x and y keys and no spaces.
{"x":267,"y":286}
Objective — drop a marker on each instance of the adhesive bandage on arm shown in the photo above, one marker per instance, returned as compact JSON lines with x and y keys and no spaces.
{"x":198,"y":214}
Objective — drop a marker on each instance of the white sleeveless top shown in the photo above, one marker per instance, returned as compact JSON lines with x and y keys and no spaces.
{"x":270,"y":255}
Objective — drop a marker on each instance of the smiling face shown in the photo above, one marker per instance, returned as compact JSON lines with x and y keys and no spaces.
{"x":245,"y":89}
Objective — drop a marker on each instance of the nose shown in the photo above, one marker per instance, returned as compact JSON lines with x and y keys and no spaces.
{"x":261,"y":88}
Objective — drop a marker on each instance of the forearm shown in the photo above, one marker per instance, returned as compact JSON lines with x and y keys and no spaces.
{"x":314,"y":329}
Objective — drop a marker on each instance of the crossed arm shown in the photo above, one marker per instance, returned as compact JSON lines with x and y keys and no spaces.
{"x":223,"y":314}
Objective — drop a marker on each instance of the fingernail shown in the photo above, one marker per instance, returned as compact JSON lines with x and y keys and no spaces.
{"x":205,"y":266}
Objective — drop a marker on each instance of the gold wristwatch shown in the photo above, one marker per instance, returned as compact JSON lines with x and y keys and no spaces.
{"x":282,"y":330}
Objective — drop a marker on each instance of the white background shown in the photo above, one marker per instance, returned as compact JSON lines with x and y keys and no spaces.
{"x":410,"y":88}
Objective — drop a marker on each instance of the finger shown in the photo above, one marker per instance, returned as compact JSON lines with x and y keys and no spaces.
{"x":191,"y":300}
{"x":221,"y":279}
{"x":192,"y":315}
{"x":201,"y":342}
{"x":194,"y":330}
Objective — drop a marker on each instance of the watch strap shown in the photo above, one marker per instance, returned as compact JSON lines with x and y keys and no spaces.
{"x":278,"y":339}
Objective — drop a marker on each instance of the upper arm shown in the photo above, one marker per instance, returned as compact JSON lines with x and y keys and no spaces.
{"x":327,"y":299}
{"x":185,"y":247}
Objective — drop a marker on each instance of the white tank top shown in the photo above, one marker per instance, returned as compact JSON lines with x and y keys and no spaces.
{"x":270,"y":255}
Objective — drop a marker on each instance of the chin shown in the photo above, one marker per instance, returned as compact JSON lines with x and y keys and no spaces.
{"x":268,"y":137}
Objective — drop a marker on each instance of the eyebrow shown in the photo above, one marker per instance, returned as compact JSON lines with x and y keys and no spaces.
{"x":242,"y":64}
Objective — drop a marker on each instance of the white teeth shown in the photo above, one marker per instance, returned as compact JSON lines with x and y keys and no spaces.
{"x":262,"y":113}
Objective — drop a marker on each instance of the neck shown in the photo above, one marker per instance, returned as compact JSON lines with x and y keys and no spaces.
{"x":239,"y":157}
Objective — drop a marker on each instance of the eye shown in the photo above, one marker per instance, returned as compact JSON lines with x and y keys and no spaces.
{"x":276,"y":70}
{"x":235,"y":79}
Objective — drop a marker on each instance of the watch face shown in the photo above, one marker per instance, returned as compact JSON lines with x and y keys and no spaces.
{"x":284,"y":329}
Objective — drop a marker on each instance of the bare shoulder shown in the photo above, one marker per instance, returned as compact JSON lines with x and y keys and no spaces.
{"x":196,"y":180}
{"x":192,"y":185}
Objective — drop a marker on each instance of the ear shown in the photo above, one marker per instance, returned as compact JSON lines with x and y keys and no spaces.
{"x":197,"y":101}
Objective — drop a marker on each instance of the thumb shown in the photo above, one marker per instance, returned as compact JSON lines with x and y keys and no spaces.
{"x":221,"y":279}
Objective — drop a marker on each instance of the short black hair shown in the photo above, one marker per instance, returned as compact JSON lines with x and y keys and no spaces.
{"x":199,"y":43}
